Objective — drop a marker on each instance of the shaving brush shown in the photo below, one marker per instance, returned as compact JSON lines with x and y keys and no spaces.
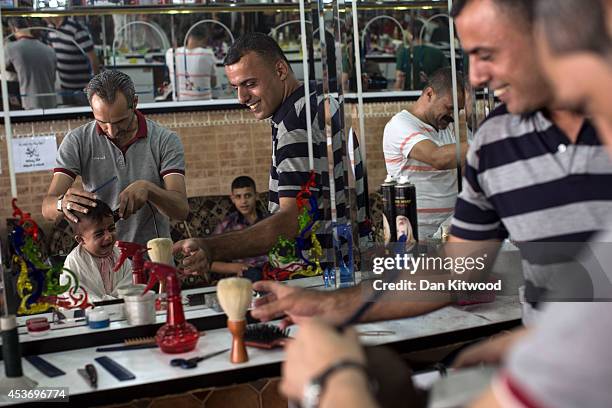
{"x":160,"y":251}
{"x":235,"y":298}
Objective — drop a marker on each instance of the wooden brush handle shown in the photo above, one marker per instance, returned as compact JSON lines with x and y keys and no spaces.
{"x":239,"y":352}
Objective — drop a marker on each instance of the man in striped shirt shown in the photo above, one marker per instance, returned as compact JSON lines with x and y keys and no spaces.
{"x":419,"y":143}
{"x":76,"y":58}
{"x":533,"y":173}
{"x":259,"y":71}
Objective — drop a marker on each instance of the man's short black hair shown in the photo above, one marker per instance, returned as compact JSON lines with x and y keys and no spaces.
{"x":441,"y":81}
{"x":95,"y":214}
{"x":199,"y":33}
{"x":574,"y":25}
{"x":259,"y":43}
{"x":518,"y":9}
{"x":242,"y":182}
{"x":18,"y":23}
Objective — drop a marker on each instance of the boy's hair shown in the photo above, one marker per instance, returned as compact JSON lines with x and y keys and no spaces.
{"x":96,"y":214}
{"x":242,"y":182}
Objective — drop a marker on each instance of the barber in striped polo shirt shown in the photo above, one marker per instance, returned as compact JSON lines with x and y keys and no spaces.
{"x":259,"y":71}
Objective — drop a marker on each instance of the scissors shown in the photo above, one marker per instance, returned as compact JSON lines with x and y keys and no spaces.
{"x":193,"y":362}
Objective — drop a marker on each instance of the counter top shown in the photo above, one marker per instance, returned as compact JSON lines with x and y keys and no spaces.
{"x":154,"y":375}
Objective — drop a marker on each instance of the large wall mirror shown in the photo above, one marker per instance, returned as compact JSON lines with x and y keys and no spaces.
{"x":371,"y":72}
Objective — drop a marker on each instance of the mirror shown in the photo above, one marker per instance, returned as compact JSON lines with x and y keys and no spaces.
{"x":154,"y":49}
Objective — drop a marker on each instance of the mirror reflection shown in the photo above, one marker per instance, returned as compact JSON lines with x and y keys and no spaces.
{"x":399,"y":50}
{"x":179,"y":58}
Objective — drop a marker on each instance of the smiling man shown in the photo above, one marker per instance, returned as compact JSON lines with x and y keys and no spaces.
{"x":147,"y":160}
{"x":264,"y":81}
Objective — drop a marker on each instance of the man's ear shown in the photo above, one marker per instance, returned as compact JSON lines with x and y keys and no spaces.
{"x":282,"y":69}
{"x":429,"y":92}
{"x":79,"y":239}
{"x":135,"y":101}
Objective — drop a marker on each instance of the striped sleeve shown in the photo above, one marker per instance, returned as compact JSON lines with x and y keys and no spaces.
{"x":475,"y":217}
{"x":292,"y":162}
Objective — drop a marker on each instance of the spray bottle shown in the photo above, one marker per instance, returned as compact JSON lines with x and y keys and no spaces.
{"x":136,"y":252}
{"x":177,"y":335}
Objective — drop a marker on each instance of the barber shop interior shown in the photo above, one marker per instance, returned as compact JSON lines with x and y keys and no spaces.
{"x":306,"y":203}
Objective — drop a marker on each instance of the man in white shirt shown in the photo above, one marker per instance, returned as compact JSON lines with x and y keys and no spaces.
{"x":420,"y":143}
{"x":194,"y":68}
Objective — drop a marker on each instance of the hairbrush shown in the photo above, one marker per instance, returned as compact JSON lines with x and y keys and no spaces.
{"x":265,"y":336}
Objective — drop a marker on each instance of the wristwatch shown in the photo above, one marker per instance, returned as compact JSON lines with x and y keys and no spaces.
{"x":311,"y":396}
{"x":59,"y":203}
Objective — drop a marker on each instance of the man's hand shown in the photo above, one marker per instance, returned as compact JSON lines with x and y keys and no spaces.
{"x":196,"y":260}
{"x":238,"y":268}
{"x":294,"y":302}
{"x":490,"y":351}
{"x":315,"y":348}
{"x":132,"y":198}
{"x":77,"y":199}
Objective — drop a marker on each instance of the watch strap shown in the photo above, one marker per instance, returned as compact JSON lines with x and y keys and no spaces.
{"x":316,"y":386}
{"x":59,"y":203}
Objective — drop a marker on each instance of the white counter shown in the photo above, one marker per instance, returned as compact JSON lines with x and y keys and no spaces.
{"x":151,"y":366}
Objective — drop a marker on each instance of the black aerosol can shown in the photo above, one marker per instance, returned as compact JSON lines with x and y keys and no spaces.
{"x":406,"y":223}
{"x":388,"y":200}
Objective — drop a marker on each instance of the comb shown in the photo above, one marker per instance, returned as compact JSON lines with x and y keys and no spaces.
{"x":117,"y":370}
{"x":136,"y":341}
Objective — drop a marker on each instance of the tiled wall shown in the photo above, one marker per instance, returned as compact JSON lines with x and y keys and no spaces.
{"x":218,"y":147}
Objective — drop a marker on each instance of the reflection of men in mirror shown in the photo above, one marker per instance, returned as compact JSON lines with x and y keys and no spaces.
{"x":245,"y":214}
{"x":420,"y":144}
{"x":34,"y":63}
{"x":193,"y":66}
{"x":264,"y":81}
{"x":146,"y":158}
{"x":76,"y":58}
{"x":423,"y":61}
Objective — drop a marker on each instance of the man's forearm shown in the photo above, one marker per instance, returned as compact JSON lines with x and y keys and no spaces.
{"x":49,"y":208}
{"x":253,"y":241}
{"x":445,"y":156}
{"x":173,"y":204}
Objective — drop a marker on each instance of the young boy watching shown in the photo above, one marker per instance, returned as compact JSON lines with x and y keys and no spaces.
{"x":244,"y":198}
{"x":93,"y":259}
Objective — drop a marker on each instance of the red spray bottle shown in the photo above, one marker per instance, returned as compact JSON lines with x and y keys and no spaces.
{"x":136,"y":252}
{"x":177,"y":335}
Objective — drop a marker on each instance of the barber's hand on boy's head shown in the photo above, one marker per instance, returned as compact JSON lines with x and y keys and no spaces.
{"x":316,"y":347}
{"x":76,"y":199}
{"x":196,"y":259}
{"x":132,"y":198}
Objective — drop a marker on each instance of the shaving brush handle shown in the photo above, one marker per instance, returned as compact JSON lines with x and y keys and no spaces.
{"x":239,"y":352}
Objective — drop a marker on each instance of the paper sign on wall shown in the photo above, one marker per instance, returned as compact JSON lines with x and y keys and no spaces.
{"x":34,"y":153}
